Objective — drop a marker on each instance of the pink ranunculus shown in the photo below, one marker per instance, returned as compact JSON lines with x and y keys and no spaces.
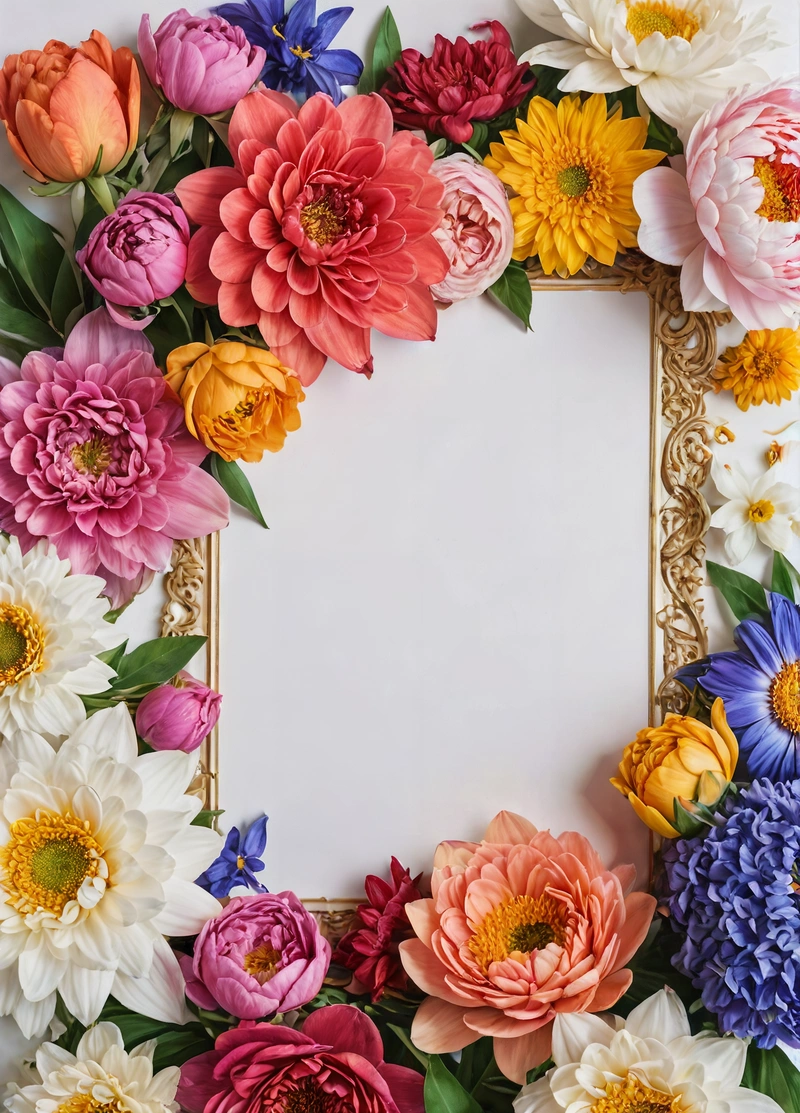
{"x":322,"y":231}
{"x":334,"y":1062}
{"x":733,"y":222}
{"x":199,"y":63}
{"x":521,"y":927}
{"x":262,"y":955}
{"x":459,"y":84}
{"x":178,"y":716}
{"x":477,"y":233}
{"x":137,"y":255}
{"x":94,"y":456}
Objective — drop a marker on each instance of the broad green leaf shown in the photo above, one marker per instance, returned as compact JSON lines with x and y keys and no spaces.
{"x":31,"y":246}
{"x":444,"y":1093}
{"x":178,"y":1046}
{"x":112,"y":657}
{"x":547,"y":81}
{"x":774,"y":1074}
{"x":206,"y":818}
{"x":513,"y":290}
{"x":387,"y":50}
{"x":784,"y":577}
{"x":20,"y":323}
{"x":744,"y":595}
{"x":156,"y":662}
{"x":66,"y":295}
{"x":663,"y":137}
{"x":236,"y":485}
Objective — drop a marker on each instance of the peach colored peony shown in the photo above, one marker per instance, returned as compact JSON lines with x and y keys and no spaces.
{"x":520,"y":928}
{"x":322,"y":231}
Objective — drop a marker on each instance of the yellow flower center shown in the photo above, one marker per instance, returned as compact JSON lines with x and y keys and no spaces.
{"x":21,"y":644}
{"x":307,"y":1098}
{"x":785,"y":693}
{"x":766,"y":364}
{"x":300,"y":53}
{"x":632,"y":1096}
{"x":93,"y":456}
{"x":654,"y":15}
{"x":240,"y":863}
{"x":85,"y":1103}
{"x":262,"y":963}
{"x":517,"y":927}
{"x":574,"y":181}
{"x":320,"y":223}
{"x":761,"y":511}
{"x":781,"y":182}
{"x":46,"y":860}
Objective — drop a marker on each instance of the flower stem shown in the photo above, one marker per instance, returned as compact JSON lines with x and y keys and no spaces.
{"x":101,"y":191}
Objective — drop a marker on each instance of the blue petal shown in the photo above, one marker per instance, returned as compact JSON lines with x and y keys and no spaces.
{"x":256,"y":839}
{"x":346,"y":66}
{"x":770,"y":750}
{"x":300,"y":21}
{"x":320,"y":80}
{"x":786,"y":623}
{"x":760,"y":643}
{"x":231,"y":847}
{"x":328,"y":27}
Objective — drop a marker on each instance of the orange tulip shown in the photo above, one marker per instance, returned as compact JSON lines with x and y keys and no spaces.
{"x":60,"y":105}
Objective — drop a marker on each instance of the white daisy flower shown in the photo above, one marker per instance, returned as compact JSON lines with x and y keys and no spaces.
{"x":99,"y":1076}
{"x":650,"y":1061}
{"x":51,"y":629}
{"x":757,"y":510}
{"x":682,"y":55}
{"x":97,"y":863}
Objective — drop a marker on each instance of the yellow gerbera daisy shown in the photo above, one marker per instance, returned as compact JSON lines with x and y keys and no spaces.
{"x":573,"y":168}
{"x":765,"y":367}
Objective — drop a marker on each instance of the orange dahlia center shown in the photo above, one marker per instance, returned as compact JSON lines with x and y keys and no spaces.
{"x":262,"y":963}
{"x":21,"y":644}
{"x":517,"y":927}
{"x":781,"y":182}
{"x":668,"y":19}
{"x":765,"y":365}
{"x":785,"y":694}
{"x":633,"y":1096}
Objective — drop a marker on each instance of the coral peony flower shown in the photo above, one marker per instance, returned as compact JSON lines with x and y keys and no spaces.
{"x":521,"y":927}
{"x":682,"y":56}
{"x":262,"y":955}
{"x":199,"y":63}
{"x":238,"y":400}
{"x":461,"y":83}
{"x":732,"y":222}
{"x":334,"y":1062}
{"x":63,"y":106}
{"x":683,"y":759}
{"x":178,"y":716}
{"x":322,"y":231}
{"x":137,"y":255}
{"x":93,"y":456}
{"x":573,"y":168}
{"x":372,"y":949}
{"x":764,"y":367}
{"x":477,"y":233}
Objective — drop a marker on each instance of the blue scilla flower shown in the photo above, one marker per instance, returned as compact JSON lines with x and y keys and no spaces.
{"x":238,"y":863}
{"x":297,"y":44}
{"x":734,"y":897}
{"x":760,"y":685}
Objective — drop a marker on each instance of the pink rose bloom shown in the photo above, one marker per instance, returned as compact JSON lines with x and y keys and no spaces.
{"x":262,"y":955}
{"x":198,"y":63}
{"x":733,"y":222}
{"x":178,"y":716}
{"x":521,"y":927}
{"x":137,"y":255}
{"x":335,"y":1062}
{"x":477,"y":233}
{"x":94,"y":455}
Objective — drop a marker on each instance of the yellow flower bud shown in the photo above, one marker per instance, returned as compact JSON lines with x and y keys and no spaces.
{"x":238,"y":400}
{"x":682,"y":759}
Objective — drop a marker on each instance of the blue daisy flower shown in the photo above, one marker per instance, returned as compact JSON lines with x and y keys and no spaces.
{"x":760,"y":685}
{"x":238,"y":863}
{"x":299,"y":60}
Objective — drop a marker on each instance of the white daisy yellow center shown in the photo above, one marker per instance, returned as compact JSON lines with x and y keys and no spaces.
{"x":761,"y":511}
{"x":85,"y":1103}
{"x":517,"y":927}
{"x":632,"y":1096}
{"x":47,"y":860}
{"x":21,"y":644}
{"x":647,"y":18}
{"x":785,"y":693}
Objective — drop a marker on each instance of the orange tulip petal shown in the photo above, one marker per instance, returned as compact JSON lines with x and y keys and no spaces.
{"x":22,"y":155}
{"x":53,"y":148}
{"x":86,"y":100}
{"x":439,"y":1028}
{"x":515,"y":1057}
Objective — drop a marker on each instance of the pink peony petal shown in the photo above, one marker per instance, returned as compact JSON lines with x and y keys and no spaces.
{"x":201,"y":194}
{"x":407,"y":1087}
{"x":347,"y":1031}
{"x":197,"y":504}
{"x":97,"y":339}
{"x":669,"y":229}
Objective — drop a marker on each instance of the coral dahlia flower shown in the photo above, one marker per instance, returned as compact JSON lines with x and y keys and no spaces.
{"x":521,"y":927}
{"x":321,"y":231}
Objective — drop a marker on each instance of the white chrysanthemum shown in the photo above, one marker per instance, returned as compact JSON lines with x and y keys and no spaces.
{"x":97,"y":863}
{"x":758,"y":510}
{"x":650,"y":1061}
{"x":99,"y":1076}
{"x":51,"y":628}
{"x":682,"y":55}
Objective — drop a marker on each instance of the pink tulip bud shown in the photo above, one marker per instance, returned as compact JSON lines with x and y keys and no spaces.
{"x":178,"y":716}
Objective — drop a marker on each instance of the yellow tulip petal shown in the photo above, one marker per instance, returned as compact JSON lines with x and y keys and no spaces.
{"x":654,"y":820}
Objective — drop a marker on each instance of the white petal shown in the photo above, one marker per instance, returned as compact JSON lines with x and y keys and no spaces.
{"x":187,"y":910}
{"x":33,"y":1017}
{"x":661,"y":1017}
{"x":595,"y":75}
{"x":740,"y":543}
{"x":776,"y":534}
{"x":161,"y":994}
{"x":537,"y":1098}
{"x":745,"y":1101}
{"x":723,"y":1060}
{"x":560,"y":55}
{"x":165,"y":776}
{"x":572,"y":1034}
{"x":97,"y":1041}
{"x":109,"y":733}
{"x":40,"y":972}
{"x":86,"y":991}
{"x":731,"y":515}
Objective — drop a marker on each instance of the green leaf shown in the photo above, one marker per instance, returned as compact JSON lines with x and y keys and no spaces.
{"x":513,"y":290}
{"x":744,"y":595}
{"x":444,"y":1093}
{"x":784,"y":577}
{"x":547,"y":80}
{"x":773,"y":1073}
{"x":405,"y":1039}
{"x":112,"y":657}
{"x":388,"y":48}
{"x":66,"y":295}
{"x":157,"y":661}
{"x":206,"y":818}
{"x":236,"y":485}
{"x":30,"y":246}
{"x":663,"y":137}
{"x":20,"y":323}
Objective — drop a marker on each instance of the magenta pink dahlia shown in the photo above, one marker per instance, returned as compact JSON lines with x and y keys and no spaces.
{"x":94,"y":456}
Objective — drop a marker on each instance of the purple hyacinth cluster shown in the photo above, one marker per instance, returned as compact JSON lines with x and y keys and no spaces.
{"x":733,"y":894}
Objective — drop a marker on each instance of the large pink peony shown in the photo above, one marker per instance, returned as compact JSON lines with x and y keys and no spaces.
{"x":321,"y":232}
{"x":94,"y":456}
{"x":733,"y":222}
{"x":520,"y":927}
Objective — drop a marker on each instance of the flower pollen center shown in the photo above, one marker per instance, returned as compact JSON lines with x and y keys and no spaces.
{"x":47,"y":860}
{"x":761,"y":511}
{"x":517,"y":927}
{"x":785,"y":695}
{"x":21,"y":644}
{"x":240,"y":863}
{"x":263,"y":963}
{"x":307,"y":1098}
{"x":766,"y":364}
{"x":656,"y":16}
{"x":574,"y":181}
{"x":632,"y":1096}
{"x":93,"y":457}
{"x":321,"y":223}
{"x":299,"y":52}
{"x":85,"y":1103}
{"x":781,"y":182}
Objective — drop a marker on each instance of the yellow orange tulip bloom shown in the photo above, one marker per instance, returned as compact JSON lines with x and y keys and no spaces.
{"x":682,"y":759}
{"x":61,"y":105}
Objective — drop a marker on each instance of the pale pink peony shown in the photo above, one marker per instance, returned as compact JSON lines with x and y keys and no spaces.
{"x":520,"y":927}
{"x":477,"y":233}
{"x":94,"y":456}
{"x":321,"y":232}
{"x":733,"y":222}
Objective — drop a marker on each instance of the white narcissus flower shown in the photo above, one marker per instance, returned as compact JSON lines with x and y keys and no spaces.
{"x":99,"y":1076}
{"x":650,"y":1061}
{"x":682,"y":55}
{"x":757,"y":510}
{"x":51,"y":630}
{"x":97,"y":863}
